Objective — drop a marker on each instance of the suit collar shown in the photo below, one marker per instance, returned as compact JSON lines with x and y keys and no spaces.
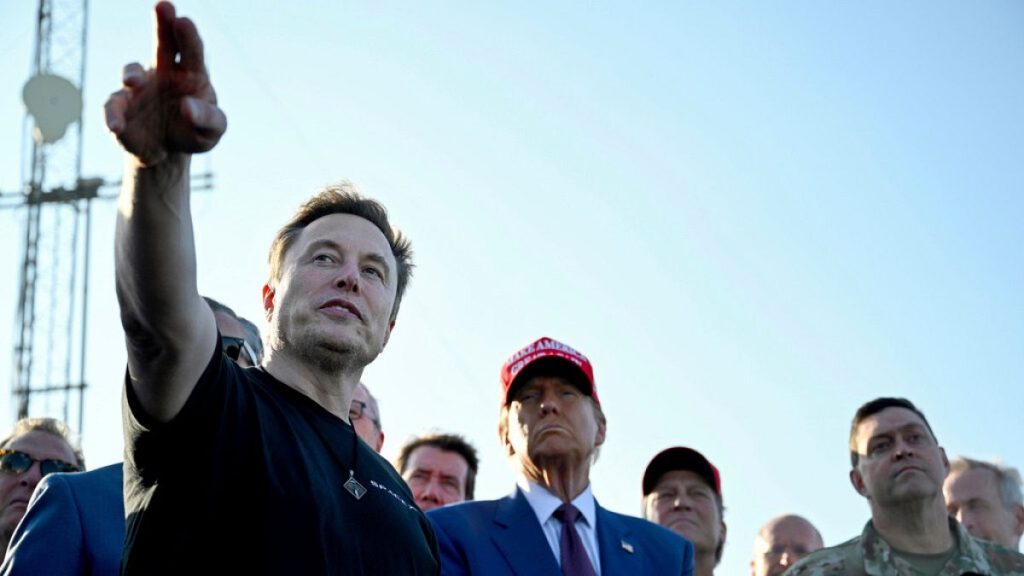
{"x":544,"y":502}
{"x":520,"y":538}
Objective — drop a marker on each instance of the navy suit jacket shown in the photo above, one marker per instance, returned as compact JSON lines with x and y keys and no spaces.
{"x":503,"y":537}
{"x":74,"y":524}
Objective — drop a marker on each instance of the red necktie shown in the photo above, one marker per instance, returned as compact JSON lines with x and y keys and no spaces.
{"x":574,"y":556}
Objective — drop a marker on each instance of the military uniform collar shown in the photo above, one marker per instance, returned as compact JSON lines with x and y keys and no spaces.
{"x":879,"y":559}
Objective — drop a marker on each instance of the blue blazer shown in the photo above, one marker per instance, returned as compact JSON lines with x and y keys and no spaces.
{"x":503,"y":537}
{"x":74,"y":524}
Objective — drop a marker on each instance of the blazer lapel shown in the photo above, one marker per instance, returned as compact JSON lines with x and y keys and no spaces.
{"x":520,"y":538}
{"x":620,"y":551}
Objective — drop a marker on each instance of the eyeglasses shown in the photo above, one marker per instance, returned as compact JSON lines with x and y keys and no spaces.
{"x":15,"y":462}
{"x":358,"y":409}
{"x":233,"y":346}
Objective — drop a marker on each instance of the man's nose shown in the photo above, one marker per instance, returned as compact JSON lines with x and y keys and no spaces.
{"x":682,"y":502}
{"x":432,"y":489}
{"x":348,"y":276}
{"x":33,"y":475}
{"x":902,"y":449}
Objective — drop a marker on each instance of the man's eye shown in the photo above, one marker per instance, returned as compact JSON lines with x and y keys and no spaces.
{"x":323,"y":258}
{"x":373,"y":272}
{"x":878,"y":447}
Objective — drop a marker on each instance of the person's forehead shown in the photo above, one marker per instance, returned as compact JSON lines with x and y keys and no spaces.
{"x":42,"y":445}
{"x":680,"y":478}
{"x":888,"y":421}
{"x":361,"y":395}
{"x":433,"y":458}
{"x":348,"y":231}
{"x":972,"y":483}
{"x":791,"y":531}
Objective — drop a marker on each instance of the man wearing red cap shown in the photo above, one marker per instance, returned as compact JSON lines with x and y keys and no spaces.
{"x":683,"y":492}
{"x":551,"y":425}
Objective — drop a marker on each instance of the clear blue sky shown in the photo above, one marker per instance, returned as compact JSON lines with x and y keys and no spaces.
{"x":753,"y":217}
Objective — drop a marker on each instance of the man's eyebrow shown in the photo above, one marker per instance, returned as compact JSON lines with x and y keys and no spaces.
{"x":378,"y":259}
{"x":322,"y":243}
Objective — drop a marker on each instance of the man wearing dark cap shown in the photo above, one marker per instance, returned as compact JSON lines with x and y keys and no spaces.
{"x":551,"y":425}
{"x":683,"y":492}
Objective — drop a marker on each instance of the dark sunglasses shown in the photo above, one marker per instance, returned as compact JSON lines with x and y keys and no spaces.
{"x":233,"y":347}
{"x":14,"y":462}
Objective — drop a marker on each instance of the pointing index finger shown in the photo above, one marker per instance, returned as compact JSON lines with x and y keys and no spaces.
{"x":166,"y":41}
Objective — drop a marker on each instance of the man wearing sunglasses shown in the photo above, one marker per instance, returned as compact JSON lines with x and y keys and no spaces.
{"x":74,"y":524}
{"x":36,"y":447}
{"x":249,"y":471}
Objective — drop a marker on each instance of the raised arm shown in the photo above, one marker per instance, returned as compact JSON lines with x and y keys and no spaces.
{"x":161,"y":116}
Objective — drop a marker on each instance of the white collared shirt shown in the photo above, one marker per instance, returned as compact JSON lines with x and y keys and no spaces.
{"x":544,"y":504}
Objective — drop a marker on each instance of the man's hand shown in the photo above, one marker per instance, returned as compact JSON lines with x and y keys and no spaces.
{"x":171,"y":108}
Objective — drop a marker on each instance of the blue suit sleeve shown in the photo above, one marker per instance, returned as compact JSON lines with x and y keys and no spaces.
{"x":687,"y":558}
{"x":453,"y":563}
{"x":49,"y":538}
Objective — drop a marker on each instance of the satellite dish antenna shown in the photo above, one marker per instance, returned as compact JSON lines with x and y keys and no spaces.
{"x":54,"y":103}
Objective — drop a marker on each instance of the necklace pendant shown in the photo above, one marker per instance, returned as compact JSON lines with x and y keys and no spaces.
{"x":354,"y":488}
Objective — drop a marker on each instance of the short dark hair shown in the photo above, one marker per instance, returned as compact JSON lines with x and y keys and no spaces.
{"x":874,"y":407}
{"x":344,"y":198}
{"x":447,"y":443}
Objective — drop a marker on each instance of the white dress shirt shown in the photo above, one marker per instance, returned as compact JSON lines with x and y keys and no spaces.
{"x":544,"y":504}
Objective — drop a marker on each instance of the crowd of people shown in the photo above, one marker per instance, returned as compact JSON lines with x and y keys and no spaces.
{"x":261,"y":455}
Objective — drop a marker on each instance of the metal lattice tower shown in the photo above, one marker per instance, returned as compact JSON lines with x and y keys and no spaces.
{"x":50,"y":344}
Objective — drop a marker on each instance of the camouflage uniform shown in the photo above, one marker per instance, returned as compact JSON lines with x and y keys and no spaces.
{"x":869,"y":554}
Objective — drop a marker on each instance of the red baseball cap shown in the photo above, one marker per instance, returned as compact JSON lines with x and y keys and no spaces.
{"x":681,"y":458}
{"x":548,"y":357}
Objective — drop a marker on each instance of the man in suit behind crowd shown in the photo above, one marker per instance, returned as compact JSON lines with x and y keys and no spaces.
{"x":34,"y":448}
{"x":552,"y":425}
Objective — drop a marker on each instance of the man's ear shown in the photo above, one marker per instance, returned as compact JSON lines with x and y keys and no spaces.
{"x":1018,"y":517}
{"x":268,"y":301}
{"x":602,"y":428}
{"x":858,"y":482}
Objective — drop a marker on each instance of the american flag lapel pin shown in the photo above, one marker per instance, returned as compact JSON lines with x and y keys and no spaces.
{"x":627,"y":546}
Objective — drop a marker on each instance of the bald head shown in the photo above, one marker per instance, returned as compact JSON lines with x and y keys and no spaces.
{"x":781,"y":542}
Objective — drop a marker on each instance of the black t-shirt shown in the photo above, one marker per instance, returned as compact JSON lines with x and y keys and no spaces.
{"x":248,"y":479}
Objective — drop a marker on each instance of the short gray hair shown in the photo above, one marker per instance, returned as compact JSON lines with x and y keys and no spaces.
{"x":51,"y":426}
{"x":1007,"y":478}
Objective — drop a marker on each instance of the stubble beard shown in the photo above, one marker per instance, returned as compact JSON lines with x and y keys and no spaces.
{"x":316,"y":349}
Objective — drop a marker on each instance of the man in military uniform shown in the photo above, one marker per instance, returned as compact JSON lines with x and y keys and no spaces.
{"x":899,"y":467}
